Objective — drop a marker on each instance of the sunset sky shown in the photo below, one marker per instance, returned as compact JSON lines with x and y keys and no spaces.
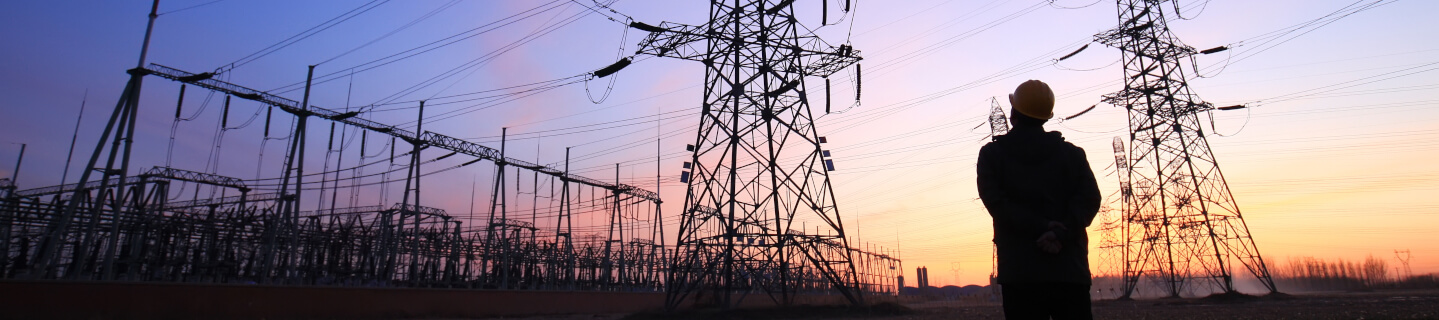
{"x":1333,"y":158}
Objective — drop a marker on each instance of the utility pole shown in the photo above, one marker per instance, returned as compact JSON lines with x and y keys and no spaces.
{"x":496,"y":239}
{"x":73,"y":138}
{"x":412,"y":176}
{"x":1183,"y":220}
{"x":758,"y":164}
{"x":15,"y":175}
{"x":122,"y":126}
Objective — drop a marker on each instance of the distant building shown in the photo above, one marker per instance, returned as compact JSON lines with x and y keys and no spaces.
{"x":922,"y":273}
{"x":900,"y":281}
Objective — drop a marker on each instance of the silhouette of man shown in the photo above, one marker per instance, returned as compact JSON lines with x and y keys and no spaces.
{"x":1041,"y":193}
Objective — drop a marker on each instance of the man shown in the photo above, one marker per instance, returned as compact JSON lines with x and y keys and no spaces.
{"x":1041,"y":193}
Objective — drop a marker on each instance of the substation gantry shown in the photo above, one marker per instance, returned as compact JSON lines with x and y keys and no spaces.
{"x":119,"y":226}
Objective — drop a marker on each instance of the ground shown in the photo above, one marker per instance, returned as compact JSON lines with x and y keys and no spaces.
{"x":1367,"y":305}
{"x":1411,"y":304}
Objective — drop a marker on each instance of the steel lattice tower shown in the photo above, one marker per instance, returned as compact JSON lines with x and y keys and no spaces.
{"x":998,"y":123}
{"x":1110,"y":220}
{"x":1183,"y":223}
{"x":760,"y":214}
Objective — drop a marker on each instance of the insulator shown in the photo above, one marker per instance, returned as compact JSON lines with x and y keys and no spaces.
{"x":612,"y":68}
{"x":824,"y":12}
{"x":196,"y":77}
{"x":1136,"y":17}
{"x":248,"y":95}
{"x":364,"y":135}
{"x":446,"y":156}
{"x":268,"y":113}
{"x":1071,"y":54}
{"x":392,"y":150}
{"x":1233,"y":107}
{"x":331,"y":146}
{"x":180,"y":102}
{"x":471,"y":162}
{"x":846,"y":5}
{"x":1214,"y":50}
{"x":1086,"y":110}
{"x":858,"y":81}
{"x":1141,"y":27}
{"x":225,"y":113}
{"x":778,"y":6}
{"x":646,"y":27}
{"x":345,"y":115}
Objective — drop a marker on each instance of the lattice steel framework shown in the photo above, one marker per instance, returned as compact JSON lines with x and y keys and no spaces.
{"x":1108,"y":273}
{"x":1182,"y":222}
{"x":126,"y":228}
{"x":760,"y":214}
{"x":130,"y":227}
{"x":998,"y":126}
{"x":998,"y":123}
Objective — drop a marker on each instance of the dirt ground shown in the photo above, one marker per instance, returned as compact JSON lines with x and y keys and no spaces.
{"x":1330,"y":305}
{"x":1339,"y":305}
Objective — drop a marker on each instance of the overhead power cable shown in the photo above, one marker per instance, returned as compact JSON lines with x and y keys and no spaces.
{"x":1247,"y":48}
{"x":302,"y":35}
{"x":190,"y":7}
{"x":424,"y":17}
{"x":425,"y":48}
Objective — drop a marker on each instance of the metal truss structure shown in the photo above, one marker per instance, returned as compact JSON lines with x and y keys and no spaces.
{"x":123,"y":227}
{"x":121,"y":224}
{"x":998,"y":126}
{"x":760,"y":214}
{"x":1182,"y":226}
{"x":998,"y":123}
{"x":1108,"y":273}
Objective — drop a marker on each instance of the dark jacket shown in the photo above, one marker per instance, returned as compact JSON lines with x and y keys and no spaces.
{"x":1028,"y":178}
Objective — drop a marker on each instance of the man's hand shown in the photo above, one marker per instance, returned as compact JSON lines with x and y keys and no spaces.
{"x":1049,"y":242}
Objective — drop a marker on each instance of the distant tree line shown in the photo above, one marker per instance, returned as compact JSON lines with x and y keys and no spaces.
{"x":1313,"y":274}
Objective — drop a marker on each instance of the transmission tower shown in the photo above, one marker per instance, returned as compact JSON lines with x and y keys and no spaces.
{"x":1111,"y":226}
{"x":760,"y":213}
{"x":998,"y":126}
{"x":1183,"y":224}
{"x":1403,"y":257}
{"x":998,"y":123}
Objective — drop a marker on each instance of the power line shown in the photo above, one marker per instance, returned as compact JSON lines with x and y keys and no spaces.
{"x":302,"y":35}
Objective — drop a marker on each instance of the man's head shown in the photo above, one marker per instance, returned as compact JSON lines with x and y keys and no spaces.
{"x":1032,"y":99}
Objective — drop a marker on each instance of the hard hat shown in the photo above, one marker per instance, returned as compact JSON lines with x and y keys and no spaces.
{"x":1034,"y":99}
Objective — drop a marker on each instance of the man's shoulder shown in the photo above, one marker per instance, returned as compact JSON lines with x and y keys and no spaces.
{"x":1000,"y":142}
{"x":1059,"y":137}
{"x":1048,"y":139}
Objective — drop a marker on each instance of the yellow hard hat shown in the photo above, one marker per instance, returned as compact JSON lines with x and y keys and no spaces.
{"x":1034,"y":99}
